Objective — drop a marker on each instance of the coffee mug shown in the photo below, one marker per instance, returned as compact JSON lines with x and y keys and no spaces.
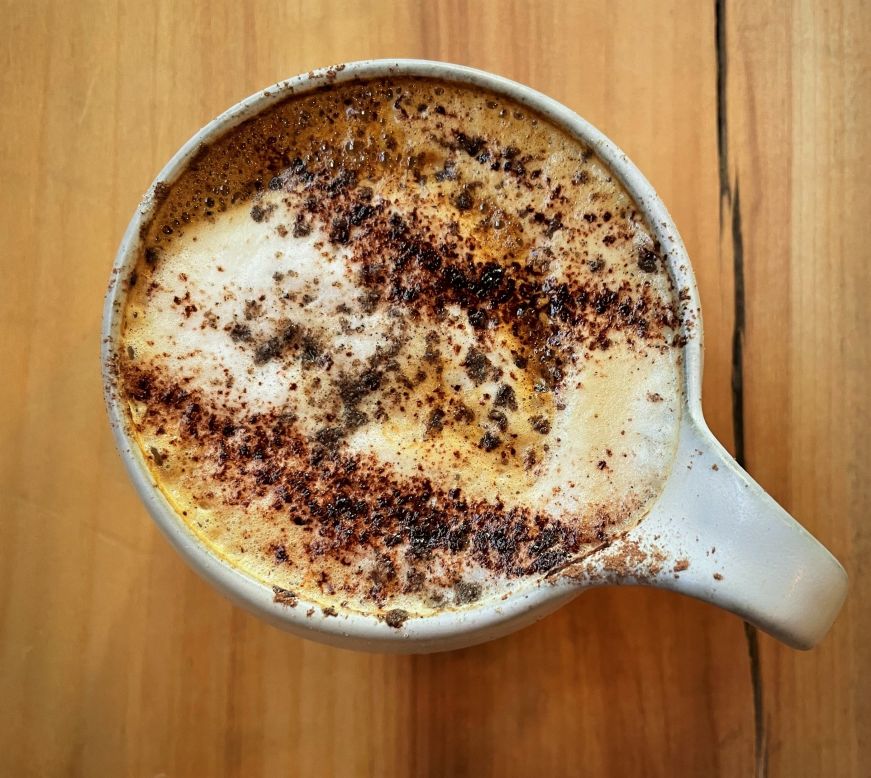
{"x":713,"y":534}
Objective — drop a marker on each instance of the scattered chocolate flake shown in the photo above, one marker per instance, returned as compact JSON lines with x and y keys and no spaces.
{"x":500,"y":420}
{"x":241,"y":333}
{"x":506,"y":398}
{"x":435,"y":422}
{"x":466,"y":592}
{"x":253,"y":310}
{"x":359,"y":213}
{"x":463,"y":200}
{"x":472,"y":146}
{"x":448,"y":171}
{"x":301,"y":229}
{"x":396,"y":618}
{"x":489,"y":441}
{"x":596,"y":264}
{"x":540,"y":424}
{"x":160,"y":192}
{"x":259,"y":213}
{"x":340,"y":230}
{"x":284,"y":597}
{"x":478,"y":366}
{"x":464,"y":414}
{"x":647,"y":260}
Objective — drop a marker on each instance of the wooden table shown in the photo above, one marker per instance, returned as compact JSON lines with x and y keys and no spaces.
{"x":752,"y":119}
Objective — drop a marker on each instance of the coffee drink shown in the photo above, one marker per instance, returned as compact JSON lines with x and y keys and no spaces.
{"x":401,"y":345}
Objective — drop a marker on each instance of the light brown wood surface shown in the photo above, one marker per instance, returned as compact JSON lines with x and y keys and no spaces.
{"x":115,"y":659}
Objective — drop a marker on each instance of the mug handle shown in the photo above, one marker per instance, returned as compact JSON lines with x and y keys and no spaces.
{"x":716,"y":535}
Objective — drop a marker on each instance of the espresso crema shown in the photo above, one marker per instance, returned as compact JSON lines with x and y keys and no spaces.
{"x":401,"y":345}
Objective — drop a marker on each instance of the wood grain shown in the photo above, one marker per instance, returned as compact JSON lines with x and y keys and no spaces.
{"x":799,"y":121}
{"x":115,"y":659}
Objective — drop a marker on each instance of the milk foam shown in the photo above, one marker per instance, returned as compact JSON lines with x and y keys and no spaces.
{"x":596,"y":448}
{"x":236,"y":260}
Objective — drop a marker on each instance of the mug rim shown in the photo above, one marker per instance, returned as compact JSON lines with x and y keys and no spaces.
{"x":351,"y":628}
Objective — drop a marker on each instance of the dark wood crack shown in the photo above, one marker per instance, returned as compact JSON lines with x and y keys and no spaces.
{"x":730,"y":198}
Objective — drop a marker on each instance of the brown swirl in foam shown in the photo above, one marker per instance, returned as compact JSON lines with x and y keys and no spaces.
{"x":326,"y":505}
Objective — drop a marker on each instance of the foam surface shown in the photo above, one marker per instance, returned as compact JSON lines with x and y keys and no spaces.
{"x":407,"y":368}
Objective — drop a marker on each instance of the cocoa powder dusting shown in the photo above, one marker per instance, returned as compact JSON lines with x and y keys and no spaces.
{"x":491,"y":234}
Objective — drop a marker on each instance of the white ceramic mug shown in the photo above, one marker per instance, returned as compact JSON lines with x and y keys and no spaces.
{"x":713,"y":534}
